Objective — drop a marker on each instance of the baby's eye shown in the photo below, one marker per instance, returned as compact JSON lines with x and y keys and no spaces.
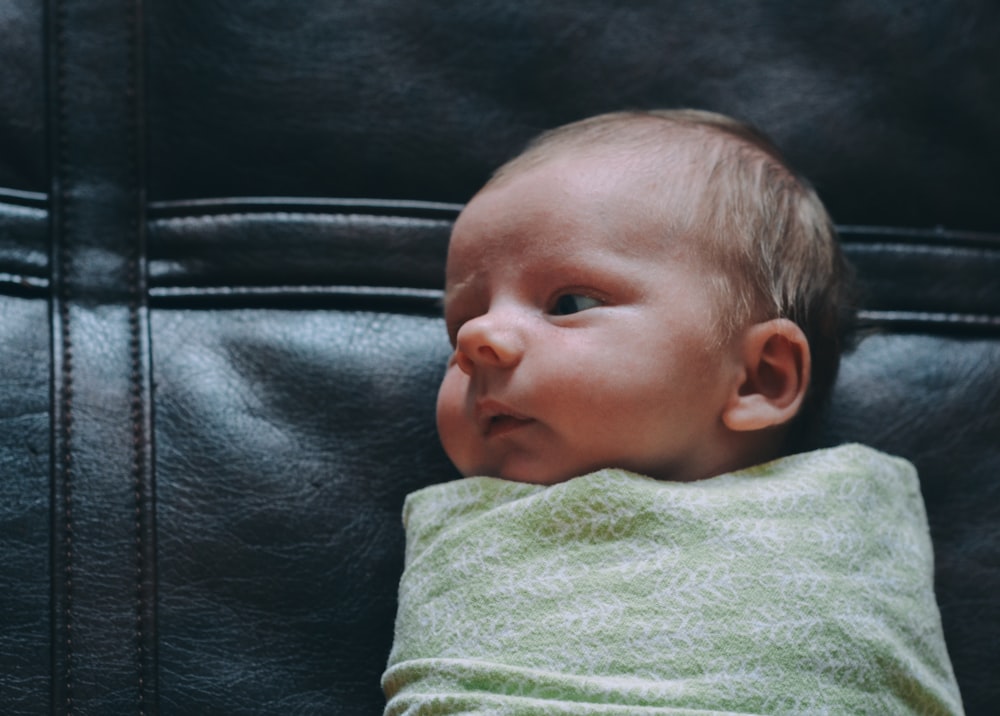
{"x":573,"y":303}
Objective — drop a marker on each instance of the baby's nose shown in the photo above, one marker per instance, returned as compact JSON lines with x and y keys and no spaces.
{"x":489,"y":340}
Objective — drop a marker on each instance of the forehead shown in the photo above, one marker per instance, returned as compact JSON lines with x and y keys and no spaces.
{"x":598,"y":199}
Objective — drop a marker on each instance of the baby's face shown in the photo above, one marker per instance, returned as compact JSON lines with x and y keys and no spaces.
{"x":583,"y":336}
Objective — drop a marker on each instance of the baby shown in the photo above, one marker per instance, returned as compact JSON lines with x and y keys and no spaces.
{"x":644,"y":291}
{"x":638,"y":303}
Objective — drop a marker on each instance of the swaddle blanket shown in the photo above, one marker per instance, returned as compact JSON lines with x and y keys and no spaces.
{"x":803,"y":586}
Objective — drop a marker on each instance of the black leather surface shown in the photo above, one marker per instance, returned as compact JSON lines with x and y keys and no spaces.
{"x":222,"y":232}
{"x":22,"y":97}
{"x":419,"y":101}
{"x":934,"y":399}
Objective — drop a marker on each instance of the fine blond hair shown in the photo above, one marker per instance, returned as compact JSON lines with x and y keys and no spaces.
{"x":756,"y":219}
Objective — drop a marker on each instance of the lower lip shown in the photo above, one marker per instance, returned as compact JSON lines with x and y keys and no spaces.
{"x":504,"y":425}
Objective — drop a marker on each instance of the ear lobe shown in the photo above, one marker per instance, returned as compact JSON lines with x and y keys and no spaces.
{"x":776,"y":364}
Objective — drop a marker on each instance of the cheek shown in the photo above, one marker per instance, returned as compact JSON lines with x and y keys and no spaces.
{"x":447,"y":401}
{"x":451,"y":421}
{"x":651,"y":381}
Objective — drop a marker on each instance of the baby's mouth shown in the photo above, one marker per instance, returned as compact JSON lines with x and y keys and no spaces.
{"x":502,"y":424}
{"x":496,"y":418}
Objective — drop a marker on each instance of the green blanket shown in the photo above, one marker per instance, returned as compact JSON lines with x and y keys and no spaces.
{"x":803,"y":586}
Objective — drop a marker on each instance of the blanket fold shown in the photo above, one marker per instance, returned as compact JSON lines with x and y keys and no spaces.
{"x":799,"y":586}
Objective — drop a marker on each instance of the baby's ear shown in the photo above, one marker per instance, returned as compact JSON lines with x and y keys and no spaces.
{"x":776,"y":365}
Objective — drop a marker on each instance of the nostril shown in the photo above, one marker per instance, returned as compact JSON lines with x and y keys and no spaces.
{"x":489,"y":353}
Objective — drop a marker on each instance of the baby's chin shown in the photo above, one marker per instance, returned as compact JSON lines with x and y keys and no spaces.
{"x":532,"y":473}
{"x":529,"y":474}
{"x":535,"y":479}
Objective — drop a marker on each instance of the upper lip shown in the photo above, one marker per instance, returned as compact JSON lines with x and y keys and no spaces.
{"x":488,"y":410}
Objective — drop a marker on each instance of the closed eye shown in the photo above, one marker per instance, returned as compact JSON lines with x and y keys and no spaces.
{"x":570,"y":303}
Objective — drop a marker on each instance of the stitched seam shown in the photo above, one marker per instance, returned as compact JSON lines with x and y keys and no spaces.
{"x":988,"y":253}
{"x":66,"y":476}
{"x":66,"y":417}
{"x":974,"y":319}
{"x":24,"y":280}
{"x":138,"y":469}
{"x":306,"y":289}
{"x":346,"y":219}
{"x":137,"y":407}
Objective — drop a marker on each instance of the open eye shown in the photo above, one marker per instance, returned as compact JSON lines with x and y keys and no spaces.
{"x":573,"y":303}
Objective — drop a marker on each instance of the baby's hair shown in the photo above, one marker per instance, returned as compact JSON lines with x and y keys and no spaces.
{"x":758,"y":220}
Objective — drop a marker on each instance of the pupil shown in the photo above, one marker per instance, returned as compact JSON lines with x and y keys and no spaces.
{"x":567,"y":304}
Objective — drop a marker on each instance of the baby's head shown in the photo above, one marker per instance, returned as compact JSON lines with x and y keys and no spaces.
{"x":653,"y":291}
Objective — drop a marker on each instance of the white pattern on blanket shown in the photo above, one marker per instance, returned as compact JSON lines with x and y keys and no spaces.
{"x":801,"y":586}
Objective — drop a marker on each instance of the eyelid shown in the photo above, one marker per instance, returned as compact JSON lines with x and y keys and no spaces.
{"x":599,"y":297}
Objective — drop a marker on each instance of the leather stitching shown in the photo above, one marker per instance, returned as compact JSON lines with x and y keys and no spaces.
{"x":137,"y":408}
{"x":64,"y":415}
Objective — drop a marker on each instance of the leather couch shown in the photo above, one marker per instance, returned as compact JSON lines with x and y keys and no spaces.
{"x":222,"y":232}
